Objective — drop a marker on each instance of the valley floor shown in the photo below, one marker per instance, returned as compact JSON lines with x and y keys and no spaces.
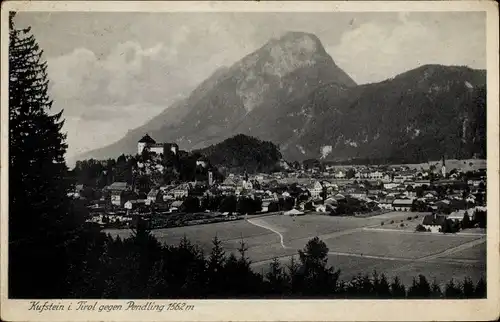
{"x":356,"y":245}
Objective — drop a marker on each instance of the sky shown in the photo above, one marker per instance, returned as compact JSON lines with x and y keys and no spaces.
{"x":112,"y":72}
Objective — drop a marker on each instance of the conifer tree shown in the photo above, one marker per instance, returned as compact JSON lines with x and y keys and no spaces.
{"x":276,"y":277}
{"x":436,"y":290}
{"x":216,"y":261}
{"x":397,"y":289}
{"x":480,"y":290}
{"x":40,"y":225}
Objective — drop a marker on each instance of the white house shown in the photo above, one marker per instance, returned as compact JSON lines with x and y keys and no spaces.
{"x":133,"y":204}
{"x":315,"y":190}
{"x":376,"y":175}
{"x":339,"y":175}
{"x":433,"y":222}
{"x":181,"y":191}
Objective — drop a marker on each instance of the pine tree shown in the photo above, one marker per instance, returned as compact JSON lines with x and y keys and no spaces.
{"x":383,"y":289}
{"x":40,"y":223}
{"x":216,"y":261}
{"x":436,"y":290}
{"x":452,"y":290}
{"x":276,"y":277}
{"x":397,"y":289}
{"x":468,"y":288}
{"x":480,"y":290}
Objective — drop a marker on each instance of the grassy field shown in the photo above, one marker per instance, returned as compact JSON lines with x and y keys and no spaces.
{"x":476,"y":252}
{"x":394,"y":244}
{"x":350,"y":241}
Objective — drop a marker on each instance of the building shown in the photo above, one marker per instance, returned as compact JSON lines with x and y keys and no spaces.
{"x":433,"y":222}
{"x":149,"y":143}
{"x":443,"y":168}
{"x":315,"y":190}
{"x":118,"y":193}
{"x":154,"y":196}
{"x":402,"y":204}
{"x":386,"y":203}
{"x":265,"y":206}
{"x":458,"y":215}
{"x":134,"y":204}
{"x":202,"y":162}
{"x":181,"y":191}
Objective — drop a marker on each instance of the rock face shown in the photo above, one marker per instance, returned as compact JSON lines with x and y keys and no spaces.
{"x":291,"y":92}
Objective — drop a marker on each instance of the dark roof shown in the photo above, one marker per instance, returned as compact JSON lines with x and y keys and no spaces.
{"x":147,"y":139}
{"x":118,"y":186}
{"x":404,"y":202}
{"x":431,"y":221}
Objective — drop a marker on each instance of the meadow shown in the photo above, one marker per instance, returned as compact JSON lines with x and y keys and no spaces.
{"x":356,"y":245}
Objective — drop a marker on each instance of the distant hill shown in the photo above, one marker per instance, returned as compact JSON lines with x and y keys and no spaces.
{"x":419,"y":115}
{"x":243,"y":154}
{"x":291,"y":92}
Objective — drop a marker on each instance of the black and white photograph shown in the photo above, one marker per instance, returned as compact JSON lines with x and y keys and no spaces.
{"x":161,"y":158}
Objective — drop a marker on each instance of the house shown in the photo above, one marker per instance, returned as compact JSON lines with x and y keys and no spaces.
{"x":154,"y":196}
{"x":321,"y":208}
{"x":420,"y":183}
{"x":358,"y":194}
{"x":470,"y":199}
{"x":390,"y":185}
{"x":458,"y":215}
{"x":386,"y":203}
{"x":431,"y":195}
{"x":339,"y":175}
{"x":376,"y":175}
{"x":134,"y":204}
{"x":433,"y":222}
{"x":443,"y":206}
{"x":402,"y":204}
{"x":176,"y":205}
{"x":315,"y":190}
{"x":118,"y":193}
{"x":181,"y":191}
{"x":265,"y":206}
{"x":247,"y":185}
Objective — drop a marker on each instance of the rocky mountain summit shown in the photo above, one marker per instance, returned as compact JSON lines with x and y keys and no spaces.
{"x":291,"y":92}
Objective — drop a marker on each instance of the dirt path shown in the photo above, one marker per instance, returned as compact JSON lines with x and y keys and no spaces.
{"x":437,"y":257}
{"x":263,"y":224}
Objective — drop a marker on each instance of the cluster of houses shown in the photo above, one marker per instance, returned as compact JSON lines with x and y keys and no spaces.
{"x":379,"y":188}
{"x":406,"y":191}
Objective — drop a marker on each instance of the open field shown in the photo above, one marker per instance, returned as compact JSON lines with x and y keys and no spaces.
{"x":356,"y":245}
{"x":394,"y":244}
{"x":477,"y":252}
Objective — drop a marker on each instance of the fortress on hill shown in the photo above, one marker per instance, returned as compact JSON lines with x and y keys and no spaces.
{"x":149,"y":143}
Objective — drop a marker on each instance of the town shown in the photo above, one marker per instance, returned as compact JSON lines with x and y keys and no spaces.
{"x":450,"y":198}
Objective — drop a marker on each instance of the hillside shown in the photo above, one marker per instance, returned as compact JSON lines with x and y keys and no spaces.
{"x":236,"y":99}
{"x":291,"y":92}
{"x":242,"y":153}
{"x":419,"y":115}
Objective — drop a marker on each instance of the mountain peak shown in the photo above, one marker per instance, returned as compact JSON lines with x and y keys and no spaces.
{"x":297,"y":41}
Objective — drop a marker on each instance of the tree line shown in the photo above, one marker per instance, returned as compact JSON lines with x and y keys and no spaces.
{"x":141,"y":267}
